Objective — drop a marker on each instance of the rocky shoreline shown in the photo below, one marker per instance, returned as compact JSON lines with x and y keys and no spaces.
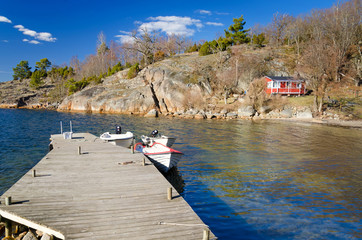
{"x":245,"y":113}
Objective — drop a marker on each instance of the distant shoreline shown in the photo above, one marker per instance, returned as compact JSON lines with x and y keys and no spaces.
{"x":331,"y":122}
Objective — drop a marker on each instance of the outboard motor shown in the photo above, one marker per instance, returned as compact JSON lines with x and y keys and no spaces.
{"x":118,"y":130}
{"x":154,"y":133}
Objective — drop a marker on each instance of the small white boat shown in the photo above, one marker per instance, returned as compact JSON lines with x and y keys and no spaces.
{"x":167,"y":141}
{"x":163,"y":157}
{"x":124,"y":140}
{"x":155,"y":136}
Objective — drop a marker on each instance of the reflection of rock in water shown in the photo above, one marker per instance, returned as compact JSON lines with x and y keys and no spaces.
{"x":175,"y":178}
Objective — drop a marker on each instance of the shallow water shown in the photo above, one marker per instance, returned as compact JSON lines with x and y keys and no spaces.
{"x":246,"y":180}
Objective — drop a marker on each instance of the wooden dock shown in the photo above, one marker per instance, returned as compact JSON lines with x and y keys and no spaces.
{"x":105,"y":192}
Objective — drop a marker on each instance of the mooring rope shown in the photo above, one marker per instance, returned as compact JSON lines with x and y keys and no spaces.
{"x":182,"y":224}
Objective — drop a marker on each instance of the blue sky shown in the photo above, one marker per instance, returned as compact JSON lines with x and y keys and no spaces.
{"x":35,"y":29}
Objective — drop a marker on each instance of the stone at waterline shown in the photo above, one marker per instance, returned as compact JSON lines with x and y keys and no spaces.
{"x":246,"y":111}
{"x":305,"y":114}
{"x":200,"y":115}
{"x":152,"y":113}
{"x":231,"y":115}
{"x":273,"y":114}
{"x":286,"y":113}
{"x":223,"y":112}
{"x":264,"y":109}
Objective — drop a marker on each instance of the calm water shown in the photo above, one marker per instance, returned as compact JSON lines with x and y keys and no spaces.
{"x":267,"y":180}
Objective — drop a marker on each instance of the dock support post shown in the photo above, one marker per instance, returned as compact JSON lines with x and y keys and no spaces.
{"x":8,"y":201}
{"x":132,"y":146}
{"x":206,"y":234}
{"x":143,"y":161}
{"x":34,"y":173}
{"x":79,"y":150}
{"x":169,"y":193}
{"x":8,"y":228}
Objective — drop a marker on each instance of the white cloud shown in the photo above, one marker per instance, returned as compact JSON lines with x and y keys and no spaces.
{"x":29,"y":33}
{"x":5,"y":41}
{"x":34,"y":42}
{"x":167,"y":24}
{"x":215,"y":24}
{"x":125,"y":32}
{"x":207,"y":12}
{"x":31,"y":41}
{"x":124,"y":38}
{"x":172,"y":25}
{"x":43,"y":36}
{"x":221,"y":13}
{"x":5,"y":19}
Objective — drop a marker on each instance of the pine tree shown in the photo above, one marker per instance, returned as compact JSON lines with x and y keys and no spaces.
{"x":43,"y":64}
{"x":22,"y":70}
{"x":236,"y":34}
{"x":205,"y":49}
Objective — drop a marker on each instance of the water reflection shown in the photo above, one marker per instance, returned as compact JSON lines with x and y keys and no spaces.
{"x":246,"y":180}
{"x":175,"y":178}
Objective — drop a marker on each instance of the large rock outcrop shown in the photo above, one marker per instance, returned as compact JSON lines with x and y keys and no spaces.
{"x":165,"y":86}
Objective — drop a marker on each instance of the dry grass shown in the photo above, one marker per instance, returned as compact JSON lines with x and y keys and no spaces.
{"x":302,"y":101}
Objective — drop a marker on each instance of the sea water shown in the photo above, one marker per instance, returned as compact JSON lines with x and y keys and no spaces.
{"x":246,"y":180}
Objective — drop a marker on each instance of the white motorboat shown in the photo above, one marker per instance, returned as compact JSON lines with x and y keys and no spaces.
{"x":124,"y":140}
{"x":163,"y":157}
{"x":167,"y":141}
{"x":158,"y":138}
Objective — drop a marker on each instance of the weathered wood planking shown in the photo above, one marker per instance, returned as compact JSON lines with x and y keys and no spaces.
{"x":96,"y":196}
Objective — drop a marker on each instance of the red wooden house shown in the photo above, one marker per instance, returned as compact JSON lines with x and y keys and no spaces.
{"x":284,"y":86}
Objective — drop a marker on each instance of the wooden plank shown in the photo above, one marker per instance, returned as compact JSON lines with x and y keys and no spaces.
{"x":103,"y":193}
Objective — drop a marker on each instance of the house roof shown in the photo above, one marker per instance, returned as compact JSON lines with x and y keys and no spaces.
{"x":276,"y":78}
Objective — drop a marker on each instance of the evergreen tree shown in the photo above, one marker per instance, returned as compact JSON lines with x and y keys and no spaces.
{"x":43,"y":64}
{"x":205,"y":49}
{"x":236,"y":34}
{"x":36,"y":78}
{"x":22,"y":70}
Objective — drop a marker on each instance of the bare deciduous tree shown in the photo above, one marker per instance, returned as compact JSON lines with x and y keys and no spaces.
{"x":316,"y":64}
{"x":342,"y":25}
{"x":145,"y":43}
{"x":277,"y":29}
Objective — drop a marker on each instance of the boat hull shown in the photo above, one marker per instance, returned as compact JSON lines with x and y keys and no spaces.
{"x":163,"y":157}
{"x":164,"y":162}
{"x":123,"y":140}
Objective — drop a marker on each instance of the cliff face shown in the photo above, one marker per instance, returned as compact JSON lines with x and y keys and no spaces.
{"x":164,"y":86}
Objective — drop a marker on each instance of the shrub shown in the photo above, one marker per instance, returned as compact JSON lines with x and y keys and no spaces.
{"x":75,"y":86}
{"x":133,"y":71}
{"x":259,"y":39}
{"x":159,"y":55}
{"x":36,"y":78}
{"x":205,"y":49}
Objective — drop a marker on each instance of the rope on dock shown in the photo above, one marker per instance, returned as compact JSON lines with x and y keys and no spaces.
{"x":182,"y":224}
